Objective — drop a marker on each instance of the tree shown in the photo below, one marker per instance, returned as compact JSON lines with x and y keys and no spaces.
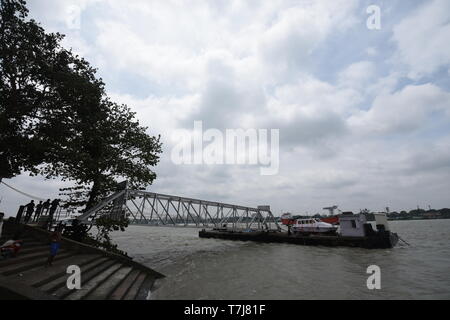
{"x":56,"y":120}
{"x":23,"y":46}
{"x":42,"y":86}
{"x":108,"y":147}
{"x":105,"y":226}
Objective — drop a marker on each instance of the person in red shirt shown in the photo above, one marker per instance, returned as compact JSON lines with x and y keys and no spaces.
{"x":11,"y":247}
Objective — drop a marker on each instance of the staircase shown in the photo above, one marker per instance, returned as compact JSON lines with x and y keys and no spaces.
{"x":104,"y":276}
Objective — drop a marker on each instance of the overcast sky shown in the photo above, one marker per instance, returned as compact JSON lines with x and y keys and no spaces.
{"x":363,"y":114}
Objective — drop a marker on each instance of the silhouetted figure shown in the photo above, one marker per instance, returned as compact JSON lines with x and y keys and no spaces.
{"x":54,"y":205}
{"x":45,"y":207}
{"x":38,"y":211}
{"x":29,"y":212}
{"x":19,"y":214}
{"x":1,"y":223}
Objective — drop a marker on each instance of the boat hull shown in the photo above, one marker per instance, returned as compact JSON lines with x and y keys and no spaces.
{"x":382,"y":240}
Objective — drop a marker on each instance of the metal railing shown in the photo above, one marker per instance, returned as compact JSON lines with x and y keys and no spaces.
{"x":149,"y":208}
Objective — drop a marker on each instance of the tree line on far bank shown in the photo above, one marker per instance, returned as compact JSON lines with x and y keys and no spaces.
{"x":402,"y":215}
{"x":56,"y":119}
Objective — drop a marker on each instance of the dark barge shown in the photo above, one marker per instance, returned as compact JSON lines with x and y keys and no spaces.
{"x":382,"y":241}
{"x":355,"y":232}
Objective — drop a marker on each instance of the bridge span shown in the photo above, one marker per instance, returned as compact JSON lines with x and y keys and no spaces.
{"x":155,"y":209}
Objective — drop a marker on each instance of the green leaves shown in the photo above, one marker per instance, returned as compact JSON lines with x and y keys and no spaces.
{"x":105,"y":225}
{"x":56,"y":120}
{"x":32,"y":64}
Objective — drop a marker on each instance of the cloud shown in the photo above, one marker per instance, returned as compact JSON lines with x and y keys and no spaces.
{"x":358,"y":74}
{"x":422,"y":39}
{"x":290,"y":41}
{"x":404,"y":111}
{"x":363,"y":115}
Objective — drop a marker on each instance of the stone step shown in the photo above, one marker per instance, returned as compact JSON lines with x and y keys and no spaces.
{"x":102,"y":276}
{"x":26,"y":244}
{"x":59,"y":282}
{"x":6,"y":237}
{"x":32,"y":244}
{"x":27,"y":249}
{"x":30,"y":256}
{"x":21,"y":267}
{"x":86,"y":276}
{"x":134,"y":289}
{"x":104,"y":290}
{"x":124,"y":286}
{"x":37,"y":277}
{"x":92,"y":284}
{"x":145,"y":291}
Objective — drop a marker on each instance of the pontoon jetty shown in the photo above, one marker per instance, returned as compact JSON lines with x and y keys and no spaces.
{"x":353,"y":231}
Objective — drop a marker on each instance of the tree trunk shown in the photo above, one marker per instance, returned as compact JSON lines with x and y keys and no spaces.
{"x":93,"y":195}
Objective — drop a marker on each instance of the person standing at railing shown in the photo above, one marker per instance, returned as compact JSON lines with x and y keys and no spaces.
{"x":1,"y":223}
{"x":38,"y":211}
{"x":45,"y":207}
{"x":29,"y":212}
{"x":54,"y":205}
{"x":19,"y":214}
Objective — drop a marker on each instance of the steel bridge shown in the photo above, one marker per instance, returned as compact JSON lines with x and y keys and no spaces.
{"x":154,"y":209}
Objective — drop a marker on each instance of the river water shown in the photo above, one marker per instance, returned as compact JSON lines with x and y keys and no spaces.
{"x":218,"y":269}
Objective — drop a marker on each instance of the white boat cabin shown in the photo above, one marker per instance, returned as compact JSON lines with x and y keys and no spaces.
{"x":352,"y":225}
{"x":356,"y":225}
{"x":312,"y":225}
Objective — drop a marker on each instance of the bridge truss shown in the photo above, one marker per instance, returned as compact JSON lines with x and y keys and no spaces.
{"x":154,"y":209}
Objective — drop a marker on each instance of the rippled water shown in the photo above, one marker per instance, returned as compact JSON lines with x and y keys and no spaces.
{"x":218,"y":269}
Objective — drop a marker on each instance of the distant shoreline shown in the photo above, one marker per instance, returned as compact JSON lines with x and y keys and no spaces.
{"x":418,"y":219}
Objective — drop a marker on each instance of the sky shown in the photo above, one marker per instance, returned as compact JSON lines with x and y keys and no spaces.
{"x":363,"y":112}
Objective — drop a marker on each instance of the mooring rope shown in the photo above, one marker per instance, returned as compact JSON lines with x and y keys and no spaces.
{"x":23,"y":193}
{"x":404,"y":241}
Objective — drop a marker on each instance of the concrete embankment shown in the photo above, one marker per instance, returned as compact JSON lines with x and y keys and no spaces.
{"x":103,"y":275}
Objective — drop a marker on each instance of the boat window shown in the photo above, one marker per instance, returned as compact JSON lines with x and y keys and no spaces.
{"x":353,"y":224}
